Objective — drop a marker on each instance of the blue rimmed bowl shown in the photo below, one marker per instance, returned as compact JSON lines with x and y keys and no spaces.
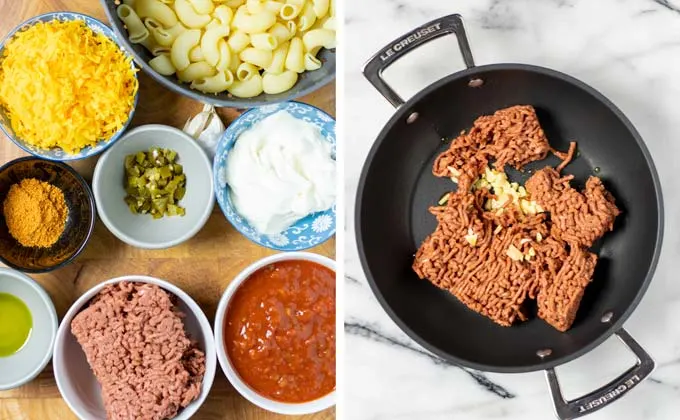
{"x":307,"y":232}
{"x":58,"y":154}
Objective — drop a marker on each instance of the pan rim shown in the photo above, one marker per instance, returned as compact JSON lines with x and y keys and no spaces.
{"x":540,"y":365}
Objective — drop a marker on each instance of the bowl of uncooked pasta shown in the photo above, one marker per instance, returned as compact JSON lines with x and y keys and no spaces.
{"x":231,"y":54}
{"x":275,"y":175}
{"x":67,"y":89}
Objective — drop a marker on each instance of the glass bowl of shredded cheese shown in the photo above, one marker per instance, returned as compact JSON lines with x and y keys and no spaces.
{"x":67,"y":89}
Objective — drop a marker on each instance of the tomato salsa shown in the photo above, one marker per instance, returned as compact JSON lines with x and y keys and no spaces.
{"x":279,"y":331}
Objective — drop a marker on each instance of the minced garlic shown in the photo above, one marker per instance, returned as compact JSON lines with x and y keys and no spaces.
{"x":514,"y":253}
{"x":471,"y":237}
{"x":455,"y":173}
{"x":505,"y":192}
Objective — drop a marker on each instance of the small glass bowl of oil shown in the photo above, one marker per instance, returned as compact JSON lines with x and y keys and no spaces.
{"x":16,"y":324}
{"x":28,"y":326}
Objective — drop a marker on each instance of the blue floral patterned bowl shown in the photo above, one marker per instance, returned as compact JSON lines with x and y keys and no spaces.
{"x":309,"y":231}
{"x":57,"y":153}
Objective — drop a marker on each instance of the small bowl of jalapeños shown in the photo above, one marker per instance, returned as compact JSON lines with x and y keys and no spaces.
{"x":154,"y":187}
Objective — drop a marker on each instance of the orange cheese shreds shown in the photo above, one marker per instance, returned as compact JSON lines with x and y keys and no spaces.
{"x":64,"y":85}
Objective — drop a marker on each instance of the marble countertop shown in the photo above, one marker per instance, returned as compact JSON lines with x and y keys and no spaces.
{"x":627,"y":49}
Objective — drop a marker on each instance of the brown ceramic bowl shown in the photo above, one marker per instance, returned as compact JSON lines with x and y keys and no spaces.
{"x":79,"y":225}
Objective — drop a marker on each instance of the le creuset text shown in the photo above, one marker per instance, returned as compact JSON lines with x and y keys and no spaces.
{"x":614,"y":393}
{"x":406,"y":41}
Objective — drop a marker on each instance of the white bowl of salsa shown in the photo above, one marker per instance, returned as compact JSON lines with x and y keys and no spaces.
{"x":275,"y":333}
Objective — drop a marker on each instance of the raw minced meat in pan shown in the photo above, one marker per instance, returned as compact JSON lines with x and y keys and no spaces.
{"x":493,"y":260}
{"x":578,"y":218}
{"x":134,"y":340}
{"x":510,"y":136}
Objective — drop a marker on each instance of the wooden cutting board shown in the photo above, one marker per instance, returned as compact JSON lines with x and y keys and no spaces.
{"x":203,"y":266}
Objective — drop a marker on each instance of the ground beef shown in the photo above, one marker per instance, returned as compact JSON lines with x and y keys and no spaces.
{"x":134,"y":340}
{"x":560,"y":298}
{"x":482,"y":276}
{"x":486,"y":279}
{"x":577,"y":218}
{"x":554,"y":267}
{"x":509,"y":136}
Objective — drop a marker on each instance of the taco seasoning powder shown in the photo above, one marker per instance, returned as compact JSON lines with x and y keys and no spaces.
{"x":35,"y":213}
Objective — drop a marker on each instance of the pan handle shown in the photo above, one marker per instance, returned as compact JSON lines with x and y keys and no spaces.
{"x":607,"y":394}
{"x":376,"y":65}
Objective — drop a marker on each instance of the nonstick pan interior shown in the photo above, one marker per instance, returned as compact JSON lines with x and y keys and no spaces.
{"x":397,"y":187}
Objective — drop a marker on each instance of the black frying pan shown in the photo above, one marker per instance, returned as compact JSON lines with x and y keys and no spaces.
{"x":397,"y":187}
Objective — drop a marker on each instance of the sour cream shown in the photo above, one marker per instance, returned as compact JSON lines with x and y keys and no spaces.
{"x":279,"y":171}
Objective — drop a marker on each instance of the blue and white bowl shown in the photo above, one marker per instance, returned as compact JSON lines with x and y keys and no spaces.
{"x":307,"y":232}
{"x":57,"y":153}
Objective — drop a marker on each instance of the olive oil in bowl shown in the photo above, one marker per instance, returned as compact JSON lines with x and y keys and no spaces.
{"x":16,"y":324}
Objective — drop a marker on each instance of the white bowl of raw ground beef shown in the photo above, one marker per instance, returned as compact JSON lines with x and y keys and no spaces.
{"x":139,"y":343}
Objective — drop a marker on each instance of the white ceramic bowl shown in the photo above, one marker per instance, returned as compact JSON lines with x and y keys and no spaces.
{"x":142,"y":231}
{"x":31,"y":359}
{"x":75,"y":380}
{"x":263,"y":402}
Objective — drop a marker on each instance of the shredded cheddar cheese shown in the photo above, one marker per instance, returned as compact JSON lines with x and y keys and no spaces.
{"x":63,"y":85}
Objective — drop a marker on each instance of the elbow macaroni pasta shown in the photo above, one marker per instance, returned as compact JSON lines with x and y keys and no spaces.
{"x":245,"y":71}
{"x":244,"y":47}
{"x":281,"y":32}
{"x":188,"y":15}
{"x":225,"y":56}
{"x":248,"y":88}
{"x":278,"y":83}
{"x":232,"y":3}
{"x":174,"y":31}
{"x":264,"y":41}
{"x":307,"y":18}
{"x":209,"y":44}
{"x":137,"y":32}
{"x":254,"y":6}
{"x":222,"y":16}
{"x":329,"y":23}
{"x":239,"y":41}
{"x":295,"y":60}
{"x":289,"y":11}
{"x":196,"y":54}
{"x":317,"y":38}
{"x":253,"y":23}
{"x":203,"y":7}
{"x":195,"y":71}
{"x":235,"y":62}
{"x":311,"y":62}
{"x":156,"y":10}
{"x":259,"y":58}
{"x":160,"y":35}
{"x":214,"y":84}
{"x":180,"y":49}
{"x":273,"y":6}
{"x":321,"y":7}
{"x":278,"y":59}
{"x":163,"y":65}
{"x":154,"y":48}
